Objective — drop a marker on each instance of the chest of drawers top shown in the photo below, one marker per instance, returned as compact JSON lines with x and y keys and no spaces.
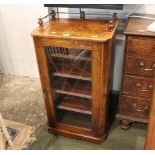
{"x":138,"y":26}
{"x":140,"y":48}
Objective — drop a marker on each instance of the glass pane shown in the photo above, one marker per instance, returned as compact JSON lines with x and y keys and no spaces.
{"x":70,"y":74}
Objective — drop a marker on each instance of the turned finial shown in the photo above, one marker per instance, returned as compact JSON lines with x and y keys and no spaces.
{"x":82,"y":15}
{"x":53,"y":14}
{"x":114,"y":17}
{"x":41,"y":23}
{"x":110,"y":25}
{"x":112,"y":22}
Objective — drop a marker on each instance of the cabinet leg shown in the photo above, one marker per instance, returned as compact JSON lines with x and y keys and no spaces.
{"x":124,"y":124}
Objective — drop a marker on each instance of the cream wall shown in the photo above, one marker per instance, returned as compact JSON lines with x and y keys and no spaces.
{"x":17,"y":54}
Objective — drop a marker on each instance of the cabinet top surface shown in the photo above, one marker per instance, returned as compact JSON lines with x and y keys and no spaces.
{"x":91,"y":30}
{"x":138,"y":26}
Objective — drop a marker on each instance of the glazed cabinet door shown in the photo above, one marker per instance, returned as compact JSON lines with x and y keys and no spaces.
{"x":70,"y":71}
{"x":45,"y":80}
{"x":74,"y":83}
{"x":74,"y":77}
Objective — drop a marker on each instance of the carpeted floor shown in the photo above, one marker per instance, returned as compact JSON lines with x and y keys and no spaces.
{"x":21,"y":100}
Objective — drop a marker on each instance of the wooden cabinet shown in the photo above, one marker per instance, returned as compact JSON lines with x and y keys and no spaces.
{"x":138,"y":70}
{"x":150,"y":138}
{"x":74,"y":59}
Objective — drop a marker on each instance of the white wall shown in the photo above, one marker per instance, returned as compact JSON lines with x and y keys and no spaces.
{"x":148,"y":9}
{"x":118,"y":64}
{"x":17,"y":55}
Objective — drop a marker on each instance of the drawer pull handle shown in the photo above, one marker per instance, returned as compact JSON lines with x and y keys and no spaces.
{"x":144,"y":90}
{"x":139,"y":109}
{"x":141,"y":64}
{"x":138,"y":84}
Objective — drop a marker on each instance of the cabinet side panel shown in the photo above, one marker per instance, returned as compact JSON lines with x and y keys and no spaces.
{"x":45,"y":80}
{"x":106,"y":72}
{"x":102,"y":65}
{"x":96,"y":87}
{"x":150,"y":138}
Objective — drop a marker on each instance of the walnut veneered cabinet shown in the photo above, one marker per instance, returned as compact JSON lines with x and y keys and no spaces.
{"x":74,"y":60}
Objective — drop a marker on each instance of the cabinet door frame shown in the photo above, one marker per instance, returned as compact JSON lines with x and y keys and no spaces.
{"x":100,"y":62}
{"x":45,"y":80}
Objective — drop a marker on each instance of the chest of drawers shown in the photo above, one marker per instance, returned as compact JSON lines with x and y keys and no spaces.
{"x":138,"y":70}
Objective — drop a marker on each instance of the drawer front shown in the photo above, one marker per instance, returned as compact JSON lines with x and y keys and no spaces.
{"x":140,"y":45}
{"x":139,"y":66}
{"x":135,"y":107}
{"x":138,"y":86}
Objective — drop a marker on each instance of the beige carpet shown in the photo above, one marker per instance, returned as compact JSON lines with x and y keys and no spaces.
{"x":21,"y":135}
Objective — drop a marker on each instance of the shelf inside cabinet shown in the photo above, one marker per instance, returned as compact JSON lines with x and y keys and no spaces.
{"x":73,"y":94}
{"x":75,"y":104}
{"x":83,"y":58}
{"x":64,"y":71}
{"x":69,"y":62}
{"x":71,"y":118}
{"x":74,"y":87}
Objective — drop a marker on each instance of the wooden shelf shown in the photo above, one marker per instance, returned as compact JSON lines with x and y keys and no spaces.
{"x":72,"y":76}
{"x":75,"y":73}
{"x":73,"y":94}
{"x":82,"y":58}
{"x":72,"y":118}
{"x":75,"y":88}
{"x":76,"y":104}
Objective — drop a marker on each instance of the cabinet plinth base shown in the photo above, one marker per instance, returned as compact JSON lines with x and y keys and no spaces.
{"x":77,"y":133}
{"x":125,"y":121}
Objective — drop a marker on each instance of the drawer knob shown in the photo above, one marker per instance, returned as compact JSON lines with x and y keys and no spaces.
{"x":138,"y":84}
{"x":140,"y":109}
{"x":150,"y":86}
{"x":141,"y":64}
